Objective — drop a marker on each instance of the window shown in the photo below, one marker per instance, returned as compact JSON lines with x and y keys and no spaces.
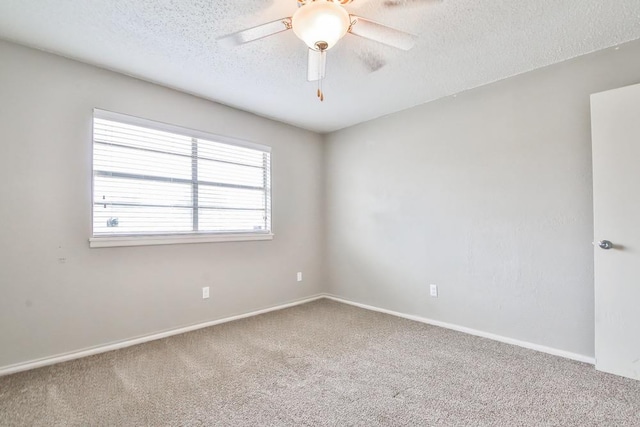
{"x":155,"y":184}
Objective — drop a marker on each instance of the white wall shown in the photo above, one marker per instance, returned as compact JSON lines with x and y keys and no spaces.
{"x":103,"y":295}
{"x":488,"y":195}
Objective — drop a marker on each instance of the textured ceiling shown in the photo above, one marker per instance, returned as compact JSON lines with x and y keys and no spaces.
{"x":462,"y":44}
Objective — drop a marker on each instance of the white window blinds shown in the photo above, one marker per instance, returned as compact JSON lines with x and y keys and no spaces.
{"x":155,"y":179}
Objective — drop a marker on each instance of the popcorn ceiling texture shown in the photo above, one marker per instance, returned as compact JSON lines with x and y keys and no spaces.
{"x":462,"y":44}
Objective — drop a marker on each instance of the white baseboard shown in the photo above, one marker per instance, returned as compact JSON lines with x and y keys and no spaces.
{"x":525,"y":344}
{"x":45,"y":361}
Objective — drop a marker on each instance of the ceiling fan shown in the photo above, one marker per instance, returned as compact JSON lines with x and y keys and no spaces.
{"x":320,"y":24}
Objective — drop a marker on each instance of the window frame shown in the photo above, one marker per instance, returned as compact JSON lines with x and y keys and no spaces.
{"x":102,"y":241}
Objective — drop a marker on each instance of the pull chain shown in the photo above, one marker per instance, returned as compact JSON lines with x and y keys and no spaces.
{"x":320,"y":94}
{"x":322,"y":47}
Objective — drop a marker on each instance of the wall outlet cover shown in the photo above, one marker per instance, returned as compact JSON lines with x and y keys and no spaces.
{"x":433,"y":289}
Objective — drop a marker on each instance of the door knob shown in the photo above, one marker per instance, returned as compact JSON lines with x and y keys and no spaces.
{"x":605,"y":244}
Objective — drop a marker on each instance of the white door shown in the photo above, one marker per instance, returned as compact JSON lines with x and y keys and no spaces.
{"x":615,"y":122}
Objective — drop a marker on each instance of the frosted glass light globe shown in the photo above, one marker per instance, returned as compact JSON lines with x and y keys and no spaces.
{"x":320,"y":21}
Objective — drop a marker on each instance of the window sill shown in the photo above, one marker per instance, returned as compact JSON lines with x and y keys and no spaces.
{"x":109,"y":242}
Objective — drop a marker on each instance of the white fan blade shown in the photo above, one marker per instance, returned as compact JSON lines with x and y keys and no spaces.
{"x":317,"y":65}
{"x":256,"y":33}
{"x":381,"y":33}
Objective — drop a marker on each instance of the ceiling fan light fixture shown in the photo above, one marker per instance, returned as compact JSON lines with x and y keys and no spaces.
{"x":320,"y":21}
{"x":320,"y":24}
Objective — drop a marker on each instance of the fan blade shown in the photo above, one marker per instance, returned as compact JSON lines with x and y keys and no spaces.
{"x":256,"y":33}
{"x":381,"y":33}
{"x":317,"y":65}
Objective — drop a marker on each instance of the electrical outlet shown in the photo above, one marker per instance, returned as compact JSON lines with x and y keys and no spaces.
{"x":433,"y":289}
{"x":205,"y":292}
{"x":299,"y":276}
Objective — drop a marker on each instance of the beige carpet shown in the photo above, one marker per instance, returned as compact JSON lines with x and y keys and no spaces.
{"x":325,"y":364}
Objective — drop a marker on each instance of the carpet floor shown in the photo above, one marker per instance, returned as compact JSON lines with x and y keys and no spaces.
{"x":320,"y":364}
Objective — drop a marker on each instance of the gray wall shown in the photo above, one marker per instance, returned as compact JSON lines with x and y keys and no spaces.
{"x":103,"y":295}
{"x":487,"y":194}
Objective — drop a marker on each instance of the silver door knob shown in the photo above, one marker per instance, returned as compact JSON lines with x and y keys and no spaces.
{"x":605,"y":244}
